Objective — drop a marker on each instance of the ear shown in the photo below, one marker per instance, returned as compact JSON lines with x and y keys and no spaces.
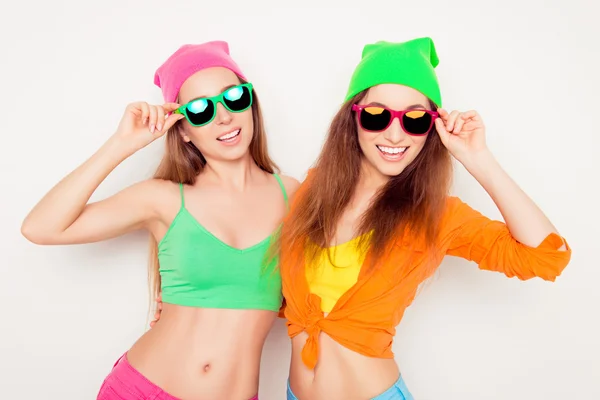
{"x":183,"y":135}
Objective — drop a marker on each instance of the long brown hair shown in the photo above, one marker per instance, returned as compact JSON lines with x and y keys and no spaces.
{"x":182,"y":162}
{"x":412,"y":201}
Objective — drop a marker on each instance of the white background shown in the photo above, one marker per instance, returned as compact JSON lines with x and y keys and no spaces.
{"x":530,"y":68}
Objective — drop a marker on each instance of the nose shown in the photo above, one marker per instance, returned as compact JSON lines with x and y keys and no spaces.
{"x":223,"y":116}
{"x":394,"y":133}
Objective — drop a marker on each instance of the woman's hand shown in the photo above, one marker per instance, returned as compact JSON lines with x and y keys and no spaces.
{"x":463,"y":134}
{"x":143,"y":123}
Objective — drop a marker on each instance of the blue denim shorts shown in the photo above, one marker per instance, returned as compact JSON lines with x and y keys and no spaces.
{"x":398,"y":391}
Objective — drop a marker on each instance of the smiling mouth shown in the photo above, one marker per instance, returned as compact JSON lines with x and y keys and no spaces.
{"x":392,"y":153}
{"x":228,"y":137}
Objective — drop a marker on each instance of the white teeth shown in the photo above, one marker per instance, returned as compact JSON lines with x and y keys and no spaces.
{"x":229,"y":135}
{"x":392,"y":150}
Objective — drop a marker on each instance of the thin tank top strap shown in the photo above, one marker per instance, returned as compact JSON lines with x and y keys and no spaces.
{"x":282,"y":186}
{"x":181,"y":193}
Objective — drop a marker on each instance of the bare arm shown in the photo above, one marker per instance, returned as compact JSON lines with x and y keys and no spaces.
{"x":525,"y":220}
{"x":63,"y":216}
{"x":464,"y":135}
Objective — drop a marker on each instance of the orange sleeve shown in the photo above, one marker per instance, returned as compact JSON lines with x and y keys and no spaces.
{"x":490,"y":244}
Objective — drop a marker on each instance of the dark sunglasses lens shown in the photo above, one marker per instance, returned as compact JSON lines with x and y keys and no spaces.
{"x":237,"y":98}
{"x":374,"y":118}
{"x":417,"y":122}
{"x":200,"y":112}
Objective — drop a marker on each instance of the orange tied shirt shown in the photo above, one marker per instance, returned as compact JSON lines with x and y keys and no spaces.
{"x":364,"y":319}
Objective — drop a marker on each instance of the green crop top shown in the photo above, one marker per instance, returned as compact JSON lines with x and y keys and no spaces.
{"x":199,"y":270}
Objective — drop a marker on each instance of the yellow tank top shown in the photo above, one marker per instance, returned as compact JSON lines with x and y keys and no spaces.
{"x":330,"y":280}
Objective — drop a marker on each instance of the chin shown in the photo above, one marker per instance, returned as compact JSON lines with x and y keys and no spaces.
{"x":388,"y":169}
{"x":238,"y":153}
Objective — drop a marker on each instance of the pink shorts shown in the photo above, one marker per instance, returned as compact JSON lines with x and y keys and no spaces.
{"x":126,"y":383}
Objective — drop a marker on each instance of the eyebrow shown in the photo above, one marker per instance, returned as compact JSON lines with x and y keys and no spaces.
{"x":222,"y":90}
{"x":412,"y":107}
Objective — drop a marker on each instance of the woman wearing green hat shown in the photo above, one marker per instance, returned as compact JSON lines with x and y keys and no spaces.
{"x":373,"y":220}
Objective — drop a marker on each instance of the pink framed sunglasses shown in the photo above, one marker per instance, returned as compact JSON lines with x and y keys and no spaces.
{"x":378,"y":118}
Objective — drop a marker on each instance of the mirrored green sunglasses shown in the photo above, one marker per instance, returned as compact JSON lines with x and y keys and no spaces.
{"x":202,"y":111}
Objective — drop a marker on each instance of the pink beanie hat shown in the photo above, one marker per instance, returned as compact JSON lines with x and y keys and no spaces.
{"x":188,"y":60}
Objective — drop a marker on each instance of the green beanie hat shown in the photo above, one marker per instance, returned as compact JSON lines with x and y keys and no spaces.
{"x":411,"y":63}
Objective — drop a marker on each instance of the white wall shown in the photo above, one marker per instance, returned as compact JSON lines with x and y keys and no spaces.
{"x":530,"y":68}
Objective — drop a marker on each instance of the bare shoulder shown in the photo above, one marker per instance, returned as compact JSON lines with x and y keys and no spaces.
{"x":291,"y":184}
{"x":164,"y":190}
{"x":160,"y":194}
{"x":152,"y":188}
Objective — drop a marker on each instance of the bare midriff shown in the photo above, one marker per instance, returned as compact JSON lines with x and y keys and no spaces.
{"x":340,"y":373}
{"x":199,"y":353}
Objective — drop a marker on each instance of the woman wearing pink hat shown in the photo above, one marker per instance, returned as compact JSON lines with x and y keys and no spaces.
{"x":211,"y":210}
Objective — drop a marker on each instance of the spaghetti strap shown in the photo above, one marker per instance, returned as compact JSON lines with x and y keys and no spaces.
{"x":282,"y":186}
{"x":181,"y":193}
